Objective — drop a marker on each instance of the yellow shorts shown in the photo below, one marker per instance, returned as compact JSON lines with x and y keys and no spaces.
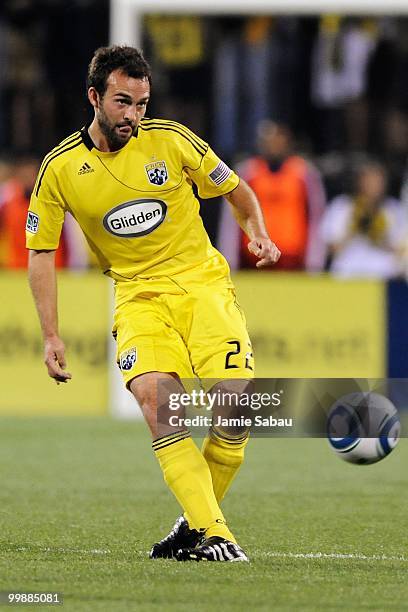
{"x":200,"y":333}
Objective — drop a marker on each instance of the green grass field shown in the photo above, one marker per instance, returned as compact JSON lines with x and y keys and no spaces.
{"x":81,"y":501}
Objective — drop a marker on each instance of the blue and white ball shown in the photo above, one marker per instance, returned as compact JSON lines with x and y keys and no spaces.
{"x":363,"y":427}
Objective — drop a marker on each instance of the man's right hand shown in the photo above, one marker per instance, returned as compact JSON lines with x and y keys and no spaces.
{"x":54,"y":358}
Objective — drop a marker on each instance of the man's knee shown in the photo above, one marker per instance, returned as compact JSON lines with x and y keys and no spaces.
{"x":231,"y":413}
{"x":153,"y":388}
{"x":152,"y":391}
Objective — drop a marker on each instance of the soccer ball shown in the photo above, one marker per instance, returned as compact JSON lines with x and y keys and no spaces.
{"x":363,"y":427}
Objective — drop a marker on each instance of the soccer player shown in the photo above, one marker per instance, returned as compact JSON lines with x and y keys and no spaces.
{"x":128,"y":181}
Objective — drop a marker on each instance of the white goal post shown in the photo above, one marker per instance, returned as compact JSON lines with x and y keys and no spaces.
{"x":126,"y":15}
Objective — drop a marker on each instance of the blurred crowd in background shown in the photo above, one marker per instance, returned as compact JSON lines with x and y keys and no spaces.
{"x":311,"y":111}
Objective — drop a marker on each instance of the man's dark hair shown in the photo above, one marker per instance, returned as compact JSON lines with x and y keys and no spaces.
{"x":107,"y":59}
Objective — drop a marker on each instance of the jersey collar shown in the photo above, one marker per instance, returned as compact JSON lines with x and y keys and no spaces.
{"x":86,"y":139}
{"x":88,"y":142}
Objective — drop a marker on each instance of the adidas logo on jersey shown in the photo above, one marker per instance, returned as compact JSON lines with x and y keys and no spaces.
{"x":85,"y":168}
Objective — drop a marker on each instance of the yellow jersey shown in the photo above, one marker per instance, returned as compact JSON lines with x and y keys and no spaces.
{"x":136,"y":206}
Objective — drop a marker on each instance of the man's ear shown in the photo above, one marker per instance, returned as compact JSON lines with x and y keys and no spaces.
{"x":94,"y":98}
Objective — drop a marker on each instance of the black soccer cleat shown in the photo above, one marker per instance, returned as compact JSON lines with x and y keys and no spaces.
{"x":213,"y":549}
{"x":181,"y":536}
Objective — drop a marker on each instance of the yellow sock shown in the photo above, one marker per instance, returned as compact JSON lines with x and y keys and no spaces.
{"x":224,"y":457}
{"x":187,"y":474}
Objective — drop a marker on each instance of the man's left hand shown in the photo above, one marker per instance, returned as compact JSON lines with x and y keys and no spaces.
{"x":266,"y":251}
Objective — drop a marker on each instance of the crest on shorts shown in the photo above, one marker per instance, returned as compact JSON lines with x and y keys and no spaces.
{"x":157,"y":173}
{"x":128,"y":359}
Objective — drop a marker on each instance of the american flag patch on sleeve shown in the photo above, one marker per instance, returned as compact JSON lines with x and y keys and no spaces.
{"x":220,"y":174}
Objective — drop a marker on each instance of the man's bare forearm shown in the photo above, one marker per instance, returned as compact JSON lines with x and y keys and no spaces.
{"x":43,"y":283}
{"x":247,"y":211}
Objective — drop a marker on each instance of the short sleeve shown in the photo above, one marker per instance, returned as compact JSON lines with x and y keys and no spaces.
{"x":211,"y":175}
{"x":46,"y":213}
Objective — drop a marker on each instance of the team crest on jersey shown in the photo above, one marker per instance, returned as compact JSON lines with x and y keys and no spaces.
{"x":157,"y":173}
{"x":128,"y":359}
{"x":33,"y":222}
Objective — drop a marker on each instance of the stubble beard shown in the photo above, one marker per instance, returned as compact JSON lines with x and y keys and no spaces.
{"x":115,"y":142}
